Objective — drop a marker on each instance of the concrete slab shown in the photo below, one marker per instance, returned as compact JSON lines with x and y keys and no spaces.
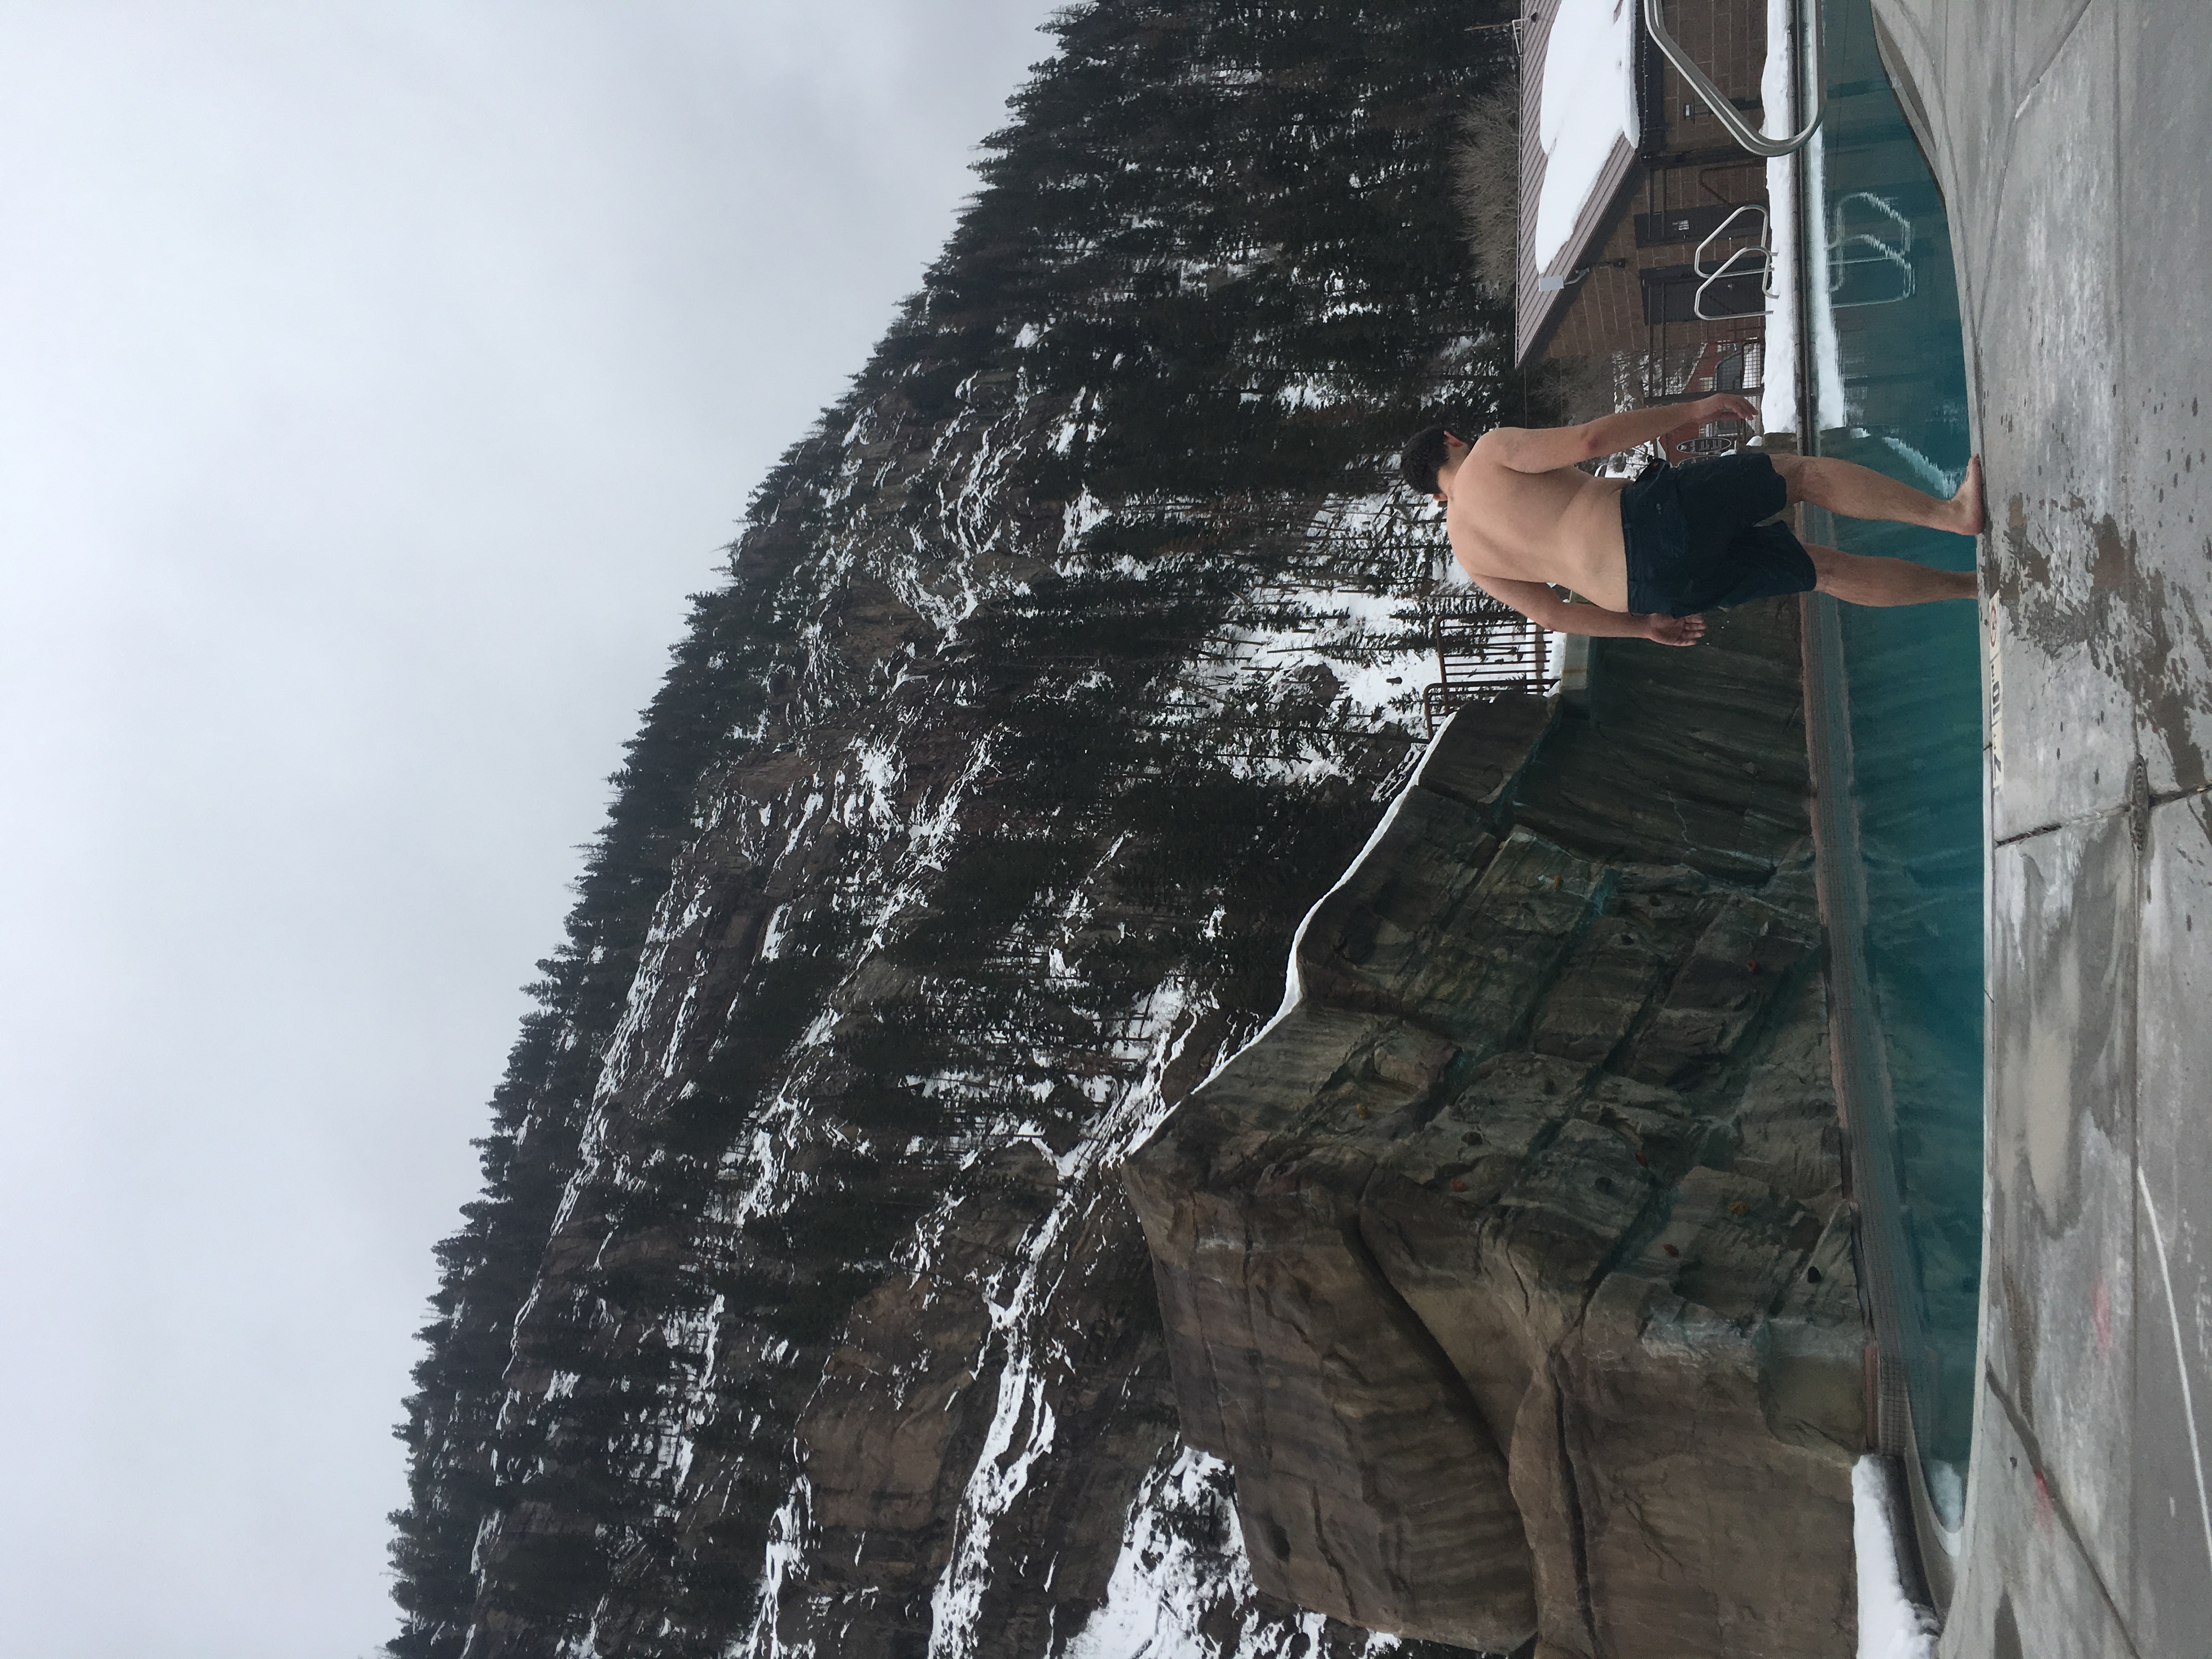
{"x":2165,"y":234}
{"x":2045,"y":294}
{"x":2170,"y":1413}
{"x":2061,"y":1167}
{"x":2069,"y":138}
{"x":2039,"y":30}
{"x":2051,"y":1601}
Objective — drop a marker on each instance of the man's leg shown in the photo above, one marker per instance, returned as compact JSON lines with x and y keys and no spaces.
{"x":1859,"y":492}
{"x":1856,"y":579}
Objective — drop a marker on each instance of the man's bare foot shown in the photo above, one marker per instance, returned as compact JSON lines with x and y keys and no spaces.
{"x":1969,"y":516}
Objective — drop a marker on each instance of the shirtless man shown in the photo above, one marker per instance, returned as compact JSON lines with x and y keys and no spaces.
{"x":1650,"y":555}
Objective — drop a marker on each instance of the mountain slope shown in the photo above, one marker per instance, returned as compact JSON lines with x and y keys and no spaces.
{"x":1059,"y":671}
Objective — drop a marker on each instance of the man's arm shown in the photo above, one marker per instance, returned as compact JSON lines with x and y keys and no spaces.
{"x":1546,"y":449}
{"x":1540,"y":605}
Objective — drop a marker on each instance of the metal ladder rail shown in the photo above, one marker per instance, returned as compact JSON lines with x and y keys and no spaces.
{"x":1721,"y":231}
{"x":1715,"y":101}
{"x":1764,"y":270}
{"x":1698,"y":299}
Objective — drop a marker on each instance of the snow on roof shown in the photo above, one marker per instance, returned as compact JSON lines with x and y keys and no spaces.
{"x":1580,"y":133}
{"x":1587,"y":106}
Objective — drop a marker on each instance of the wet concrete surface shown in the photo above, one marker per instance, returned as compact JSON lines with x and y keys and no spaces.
{"x":2070,"y":140}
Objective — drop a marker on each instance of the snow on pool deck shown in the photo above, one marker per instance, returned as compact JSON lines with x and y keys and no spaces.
{"x":1891,"y":1626}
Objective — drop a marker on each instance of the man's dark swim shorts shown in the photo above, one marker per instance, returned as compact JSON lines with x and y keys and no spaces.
{"x":1695,"y":542}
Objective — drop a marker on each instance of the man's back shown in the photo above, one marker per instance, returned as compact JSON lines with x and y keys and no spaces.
{"x":1561,"y":526}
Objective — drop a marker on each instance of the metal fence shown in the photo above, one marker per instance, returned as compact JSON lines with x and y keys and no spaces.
{"x":1485,"y":649}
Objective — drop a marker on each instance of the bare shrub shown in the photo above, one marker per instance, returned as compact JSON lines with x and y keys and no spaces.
{"x":1486,"y":181}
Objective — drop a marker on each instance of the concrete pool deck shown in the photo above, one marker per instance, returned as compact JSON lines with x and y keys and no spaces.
{"x":2069,"y":138}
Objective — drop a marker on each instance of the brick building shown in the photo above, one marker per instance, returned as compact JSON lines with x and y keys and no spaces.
{"x":1647,"y":259}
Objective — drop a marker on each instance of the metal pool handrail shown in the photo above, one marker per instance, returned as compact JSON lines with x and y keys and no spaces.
{"x":1720,"y":232}
{"x":1764,"y":270}
{"x":1715,"y":101}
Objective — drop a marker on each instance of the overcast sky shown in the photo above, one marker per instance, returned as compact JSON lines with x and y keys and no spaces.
{"x":376,"y":380}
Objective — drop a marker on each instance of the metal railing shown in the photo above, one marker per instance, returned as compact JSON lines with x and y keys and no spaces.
{"x":1757,"y":260}
{"x":1483,"y":654}
{"x":1716,"y":100}
{"x":1720,"y":232}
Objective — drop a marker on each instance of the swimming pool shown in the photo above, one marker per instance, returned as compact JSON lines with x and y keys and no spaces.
{"x":1888,"y":390}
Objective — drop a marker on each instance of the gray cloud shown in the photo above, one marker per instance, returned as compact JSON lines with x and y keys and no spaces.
{"x":375,"y":380}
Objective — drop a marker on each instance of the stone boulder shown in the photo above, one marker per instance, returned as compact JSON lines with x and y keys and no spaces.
{"x":1510,"y":1266}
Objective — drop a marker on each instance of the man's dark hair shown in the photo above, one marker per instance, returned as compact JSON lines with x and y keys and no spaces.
{"x":1423,"y":459}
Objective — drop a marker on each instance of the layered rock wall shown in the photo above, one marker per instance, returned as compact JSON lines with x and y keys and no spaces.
{"x":1510,"y":1266}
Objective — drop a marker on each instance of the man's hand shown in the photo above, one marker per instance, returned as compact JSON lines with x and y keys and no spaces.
{"x":1674,"y":630}
{"x":1543,"y":606}
{"x":1721,"y":405}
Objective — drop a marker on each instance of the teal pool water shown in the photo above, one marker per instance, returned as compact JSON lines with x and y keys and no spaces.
{"x":1889,"y":392}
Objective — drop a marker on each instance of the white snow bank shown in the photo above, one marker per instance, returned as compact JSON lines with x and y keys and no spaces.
{"x":1181,"y":1568}
{"x":1778,"y":401}
{"x":1829,"y":408}
{"x":1588,"y":102}
{"x":1890,"y":1626}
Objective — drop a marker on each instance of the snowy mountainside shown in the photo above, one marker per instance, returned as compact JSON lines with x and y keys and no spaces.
{"x":1059,"y":671}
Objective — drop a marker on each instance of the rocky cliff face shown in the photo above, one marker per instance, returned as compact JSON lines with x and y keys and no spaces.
{"x":1509,"y":1269}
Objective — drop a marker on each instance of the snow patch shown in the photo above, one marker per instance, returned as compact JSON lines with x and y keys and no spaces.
{"x":1587,"y":105}
{"x":786,"y":1553}
{"x":1084,"y":512}
{"x":1777,"y":397}
{"x":1182,"y":1558}
{"x":1890,"y":1625}
{"x":1831,"y":409}
{"x":1022,"y":1424}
